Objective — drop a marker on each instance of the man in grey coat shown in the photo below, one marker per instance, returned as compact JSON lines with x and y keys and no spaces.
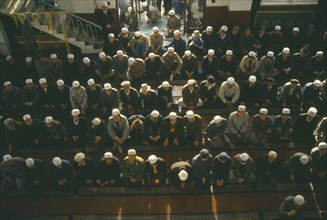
{"x":120,"y":61}
{"x":238,"y":125}
{"x":242,"y":167}
{"x":203,"y":165}
{"x":13,"y":172}
{"x":78,"y":97}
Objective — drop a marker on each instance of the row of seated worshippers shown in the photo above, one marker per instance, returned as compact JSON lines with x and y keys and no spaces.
{"x":118,"y":131}
{"x":134,"y":171}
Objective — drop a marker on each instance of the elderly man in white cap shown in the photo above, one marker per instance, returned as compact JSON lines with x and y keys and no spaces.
{"x":173,"y":23}
{"x":34,"y":132}
{"x":261,"y":124}
{"x":238,"y":126}
{"x":46,"y":98}
{"x":222,"y":166}
{"x":148,"y":99}
{"x":13,"y":134}
{"x":294,"y":39}
{"x":172,"y":64}
{"x":155,"y":171}
{"x":106,"y":66}
{"x":214,"y":134}
{"x":210,"y":64}
{"x":190,"y":95}
{"x":97,"y":134}
{"x":153,"y":67}
{"x":181,"y":175}
{"x":105,"y":19}
{"x":30,"y":94}
{"x":136,"y":70}
{"x":78,"y":97}
{"x":93,"y":97}
{"x":320,"y":131}
{"x":268,"y":66}
{"x":317,"y":66}
{"x":276,"y":39}
{"x":282,"y":128}
{"x":250,"y":93}
{"x":62,"y":94}
{"x":71,"y":69}
{"x":242,"y":169}
{"x":152,"y":12}
{"x":36,"y":177}
{"x":165,"y":96}
{"x":139,"y":44}
{"x":133,"y":169}
{"x":173,"y":130}
{"x":195,"y":44}
{"x":319,"y":168}
{"x":223,"y":41}
{"x":43,"y":67}
{"x":108,"y":99}
{"x":299,"y":64}
{"x":291,"y":95}
{"x":111,"y":45}
{"x":292,"y":207}
{"x":153,"y":129}
{"x":56,"y":69}
{"x":249,"y":65}
{"x":229,"y":93}
{"x":61,"y":174}
{"x":298,"y":168}
{"x":305,"y":125}
{"x":89,"y":70}
{"x":268,"y":168}
{"x":284,"y":64}
{"x":30,"y":69}
{"x":55,"y":136}
{"x":178,"y":43}
{"x":156,"y":41}
{"x":136,"y":130}
{"x":209,"y":38}
{"x":11,"y":99}
{"x":120,"y":61}
{"x":190,"y":66}
{"x":77,"y":130}
{"x":13,"y":172}
{"x":129,"y":98}
{"x":227,"y":66}
{"x":124,"y":38}
{"x":312,"y":96}
{"x":193,"y":129}
{"x":118,"y":129}
{"x":208,"y":90}
{"x":108,"y":171}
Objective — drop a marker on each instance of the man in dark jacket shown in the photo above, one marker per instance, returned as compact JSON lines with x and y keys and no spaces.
{"x":62,"y":174}
{"x":268,"y":168}
{"x":108,"y":171}
{"x":222,"y":166}
{"x":36,"y":177}
{"x":203,"y":166}
{"x":155,"y":171}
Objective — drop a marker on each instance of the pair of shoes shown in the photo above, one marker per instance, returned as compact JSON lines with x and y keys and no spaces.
{"x":120,"y":149}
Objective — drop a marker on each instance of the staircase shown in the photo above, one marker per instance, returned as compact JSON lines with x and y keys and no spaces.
{"x":52,"y":20}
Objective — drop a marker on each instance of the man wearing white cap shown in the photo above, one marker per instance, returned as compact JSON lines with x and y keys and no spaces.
{"x":282,"y":128}
{"x":242,"y":169}
{"x":36,"y":177}
{"x":190,"y":95}
{"x":228,"y":65}
{"x":44,"y":67}
{"x":156,"y":41}
{"x":153,"y":128}
{"x":136,"y":130}
{"x":276,"y":39}
{"x":13,"y":72}
{"x":173,"y":130}
{"x":190,"y":67}
{"x":223,"y":41}
{"x":208,"y":90}
{"x":152,"y":12}
{"x":268,"y":66}
{"x":71,"y":69}
{"x":13,"y":172}
{"x":30,"y":69}
{"x":55,"y":136}
{"x":214,"y":134}
{"x":179,"y":44}
{"x":261,"y":123}
{"x":292,"y":95}
{"x":77,"y":130}
{"x":250,"y":93}
{"x":268,"y":168}
{"x":120,"y":61}
{"x":319,"y":168}
{"x":172,"y":64}
{"x":165,"y":96}
{"x":108,"y":99}
{"x":209,"y":38}
{"x":46,"y":98}
{"x":153,"y":67}
{"x":292,"y":207}
{"x":148,"y":99}
{"x":305,"y":125}
{"x":173,"y":23}
{"x":125,"y":37}
{"x":34,"y":132}
{"x":249,"y":65}
{"x":97,"y":134}
{"x":181,"y":175}
{"x":247,"y":40}
{"x":11,"y":99}
{"x":133,"y":169}
{"x":78,"y":97}
{"x":284,"y":64}
{"x":210,"y":64}
{"x":221,"y":171}
{"x":61,"y":174}
{"x":155,"y":171}
{"x":93,"y":97}
{"x":129,"y":97}
{"x":136,"y":70}
{"x":106,"y":66}
{"x":105,"y":19}
{"x":202,"y":165}
{"x":118,"y":129}
{"x":238,"y":126}
{"x":139,"y":45}
{"x":110,"y":46}
{"x":294,"y":39}
{"x":229,"y":93}
{"x":312,"y":96}
{"x":30,"y":94}
{"x":56,"y":69}
{"x":297,"y":168}
{"x":13,"y":134}
{"x":320,"y":131}
{"x":108,"y":171}
{"x":193,"y":129}
{"x":131,"y":19}
{"x":89,"y":70}
{"x":317,"y":66}
{"x":62,"y":93}
{"x":195,"y":44}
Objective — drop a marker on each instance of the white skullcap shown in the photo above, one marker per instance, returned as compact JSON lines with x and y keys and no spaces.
{"x":319,"y":53}
{"x":70,"y":56}
{"x":60,"y":82}
{"x":171,"y":12}
{"x":79,"y":156}
{"x":108,"y":155}
{"x":165,"y":84}
{"x":172,"y":115}
{"x":131,"y":61}
{"x":107,"y":86}
{"x":304,"y":160}
{"x":26,"y":117}
{"x":137,"y":33}
{"x":152,"y":159}
{"x":75,"y":112}
{"x":183,"y":175}
{"x":105,"y":4}
{"x":252,"y":79}
{"x":286,"y":50}
{"x":270,"y":54}
{"x":188,"y":53}
{"x":86,"y":60}
{"x":322,"y":145}
{"x":171,"y":49}
{"x":28,"y":59}
{"x":229,"y":52}
{"x":217,"y":119}
{"x":9,"y":121}
{"x":29,"y":162}
{"x":224,"y":28}
{"x":317,"y":83}
{"x":28,"y":81}
{"x":155,"y":29}
{"x":296,"y":29}
{"x":9,"y":57}
{"x":102,"y":55}
{"x":211,"y":52}
{"x":96,"y":121}
{"x":312,"y":111}
{"x":299,"y":200}
{"x":286,"y":111}
{"x":131,"y":152}
{"x":42,"y":80}
{"x":241,"y":108}
{"x":111,"y":35}
{"x":48,"y":119}
{"x":272,"y":154}
{"x":252,"y":54}
{"x":125,"y":83}
{"x":151,"y":55}
{"x":90,"y":82}
{"x":277,"y":27}
{"x":209,"y":28}
{"x":75,"y":84}
{"x":190,"y":114}
{"x":144,"y":4}
{"x":115,"y":112}
{"x":7,"y":83}
{"x":56,"y":161}
{"x":177,"y":32}
{"x":145,"y":87}
{"x":244,"y":157}
{"x":7,"y":157}
{"x":124,"y":30}
{"x":119,"y":52}
{"x":263,"y":111}
{"x":230,"y":80}
{"x":191,"y":82}
{"x":53,"y":56}
{"x":155,"y":113}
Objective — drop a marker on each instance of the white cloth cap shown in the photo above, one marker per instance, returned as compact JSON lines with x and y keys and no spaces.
{"x":296,"y":29}
{"x":191,"y":82}
{"x":155,"y":113}
{"x":111,"y":35}
{"x":90,"y":82}
{"x":115,"y":112}
{"x":26,"y":117}
{"x":152,"y":159}
{"x":244,"y":157}
{"x":70,"y":56}
{"x":171,"y":49}
{"x":7,"y":83}
{"x":119,"y":52}
{"x":96,"y":121}
{"x":286,"y":50}
{"x":102,"y":55}
{"x":42,"y":80}
{"x":263,"y":111}
{"x":252,"y":79}
{"x":211,"y":52}
{"x":137,"y":33}
{"x":319,"y":53}
{"x":229,"y":52}
{"x":270,"y":54}
{"x":29,"y":162}
{"x":277,"y":27}
{"x":317,"y":83}
{"x":217,"y":119}
{"x":75,"y":84}
{"x":299,"y":200}
{"x":190,"y":114}
{"x":108,"y":155}
{"x":75,"y":112}
{"x":272,"y":154}
{"x":7,"y":157}
{"x":131,"y":152}
{"x":172,"y":115}
{"x":79,"y":156}
{"x":56,"y":161}
{"x":241,"y":108}
{"x":312,"y":111}
{"x":165,"y":84}
{"x":252,"y":54}
{"x":183,"y":175}
{"x":144,"y":4}
{"x":177,"y":32}
{"x":86,"y":60}
{"x":28,"y":59}
{"x":171,"y":12}
{"x":124,"y":30}
{"x":125,"y":83}
{"x":151,"y":55}
{"x":130,"y":9}
{"x":48,"y":119}
{"x":28,"y":81}
{"x":322,"y":145}
{"x":224,"y":28}
{"x":107,"y":86}
{"x":304,"y":160}
{"x":104,"y":4}
{"x":53,"y":56}
{"x":230,"y":80}
{"x":209,"y":28}
{"x":9,"y":57}
{"x":155,"y":29}
{"x":60,"y":82}
{"x":131,"y":61}
{"x":187,"y":53}
{"x":286,"y":111}
{"x":145,"y":87}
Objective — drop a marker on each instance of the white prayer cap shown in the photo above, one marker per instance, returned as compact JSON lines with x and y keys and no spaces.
{"x":211,"y":52}
{"x":171,"y":49}
{"x":190,"y":114}
{"x":172,"y":115}
{"x":263,"y":111}
{"x":107,"y":86}
{"x":28,"y":81}
{"x":90,"y":82}
{"x":125,"y":83}
{"x":155,"y":113}
{"x":131,"y":152}
{"x":60,"y":82}
{"x":119,"y":52}
{"x":56,"y":161}
{"x":145,"y":87}
{"x":115,"y":112}
{"x":48,"y":119}
{"x":104,"y":4}
{"x":102,"y":55}
{"x":244,"y":157}
{"x":129,"y":9}
{"x":177,"y":32}
{"x":86,"y":60}
{"x":111,"y":35}
{"x":70,"y":56}
{"x":7,"y":83}
{"x":9,"y":121}
{"x":299,"y":200}
{"x":131,"y":61}
{"x":241,"y":108}
{"x":229,"y":52}
{"x":9,"y":57}
{"x":152,"y":159}
{"x":42,"y":80}
{"x":230,"y":80}
{"x":165,"y":84}
{"x":75,"y":84}
{"x":53,"y":56}
{"x":304,"y":159}
{"x":151,"y":55}
{"x":209,"y":28}
{"x":252,"y":79}
{"x":217,"y":119}
{"x":7,"y":157}
{"x":171,"y":12}
{"x":252,"y":54}
{"x":319,"y":53}
{"x":28,"y":59}
{"x":75,"y":112}
{"x":144,"y":4}
{"x":155,"y":29}
{"x":108,"y":155}
{"x":124,"y":30}
{"x":277,"y":27}
{"x":286,"y":111}
{"x":79,"y":156}
{"x":26,"y":117}
{"x":29,"y":162}
{"x":286,"y":50}
{"x":224,"y":28}
{"x":137,"y":33}
{"x":183,"y":175}
{"x":96,"y":121}
{"x":322,"y":145}
{"x":296,"y":29}
{"x":270,"y":54}
{"x":312,"y":111}
{"x":188,"y":53}
{"x":272,"y":154}
{"x":317,"y":83}
{"x":191,"y":82}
